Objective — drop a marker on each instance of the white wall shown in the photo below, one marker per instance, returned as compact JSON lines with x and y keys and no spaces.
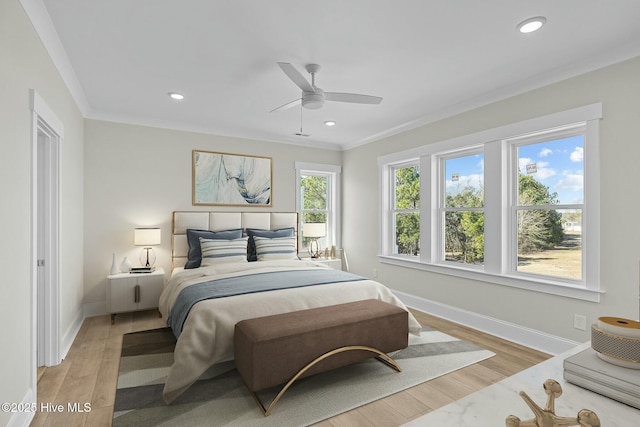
{"x":25,"y":65}
{"x":137,"y":175}
{"x":618,"y":88}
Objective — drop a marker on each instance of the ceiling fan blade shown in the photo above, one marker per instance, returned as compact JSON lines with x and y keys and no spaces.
{"x":352,"y":97}
{"x":287,"y":105}
{"x":296,"y":77}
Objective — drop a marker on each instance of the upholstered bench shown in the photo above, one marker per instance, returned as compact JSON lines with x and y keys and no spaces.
{"x":279,"y":349}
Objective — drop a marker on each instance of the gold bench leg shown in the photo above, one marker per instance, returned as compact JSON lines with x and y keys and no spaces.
{"x":382,"y":357}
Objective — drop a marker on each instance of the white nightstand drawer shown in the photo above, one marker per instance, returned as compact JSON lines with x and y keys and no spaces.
{"x":133,"y":291}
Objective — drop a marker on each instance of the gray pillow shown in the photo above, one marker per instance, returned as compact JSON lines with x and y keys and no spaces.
{"x":257,"y":232}
{"x":194,"y":257}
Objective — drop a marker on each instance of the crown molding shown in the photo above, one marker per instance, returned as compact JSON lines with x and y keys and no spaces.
{"x":41,"y":21}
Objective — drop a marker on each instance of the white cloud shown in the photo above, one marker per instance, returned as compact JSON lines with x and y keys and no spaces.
{"x":545,"y":152}
{"x":474,"y":180}
{"x":570,"y":188}
{"x":523,"y":162}
{"x":577,"y":154}
{"x":570,"y":181}
{"x":544,"y":173}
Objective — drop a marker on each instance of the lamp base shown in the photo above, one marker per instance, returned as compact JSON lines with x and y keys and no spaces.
{"x":147,"y":257}
{"x":314,"y":249}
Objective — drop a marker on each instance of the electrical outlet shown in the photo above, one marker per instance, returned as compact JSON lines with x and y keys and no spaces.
{"x":580,"y":322}
{"x":375,"y":272}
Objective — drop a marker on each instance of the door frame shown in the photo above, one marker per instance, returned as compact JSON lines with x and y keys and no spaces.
{"x":46,"y":124}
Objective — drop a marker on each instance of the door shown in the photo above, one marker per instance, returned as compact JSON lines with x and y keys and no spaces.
{"x":46,"y":244}
{"x":41,"y":274}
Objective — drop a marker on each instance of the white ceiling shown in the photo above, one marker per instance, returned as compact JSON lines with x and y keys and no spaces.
{"x":428,"y":59}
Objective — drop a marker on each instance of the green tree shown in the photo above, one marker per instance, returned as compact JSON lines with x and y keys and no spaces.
{"x":408,"y":188}
{"x":408,"y":197}
{"x":314,"y":197}
{"x":538,"y":229}
{"x":313,"y":194}
{"x":464,"y":230}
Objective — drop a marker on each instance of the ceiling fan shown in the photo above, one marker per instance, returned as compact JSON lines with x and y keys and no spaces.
{"x":312,"y":96}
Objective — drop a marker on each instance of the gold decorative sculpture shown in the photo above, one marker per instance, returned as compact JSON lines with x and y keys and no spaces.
{"x":547,"y":417}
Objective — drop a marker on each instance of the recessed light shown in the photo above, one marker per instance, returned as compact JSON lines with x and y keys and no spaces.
{"x":175,"y":95}
{"x":532,"y":24}
{"x":330,"y":123}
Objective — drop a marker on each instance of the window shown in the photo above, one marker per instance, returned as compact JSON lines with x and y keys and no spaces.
{"x":516,"y":205}
{"x":406,"y":209}
{"x":317,"y":202}
{"x":462,"y":209}
{"x":547,"y":189}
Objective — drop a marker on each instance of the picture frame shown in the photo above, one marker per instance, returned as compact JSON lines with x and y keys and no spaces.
{"x":227,"y":179}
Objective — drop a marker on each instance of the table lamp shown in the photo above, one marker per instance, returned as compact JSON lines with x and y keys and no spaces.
{"x":147,"y":237}
{"x":314,"y":230}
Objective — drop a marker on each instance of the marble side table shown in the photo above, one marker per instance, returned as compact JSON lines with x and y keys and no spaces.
{"x":491,"y":406}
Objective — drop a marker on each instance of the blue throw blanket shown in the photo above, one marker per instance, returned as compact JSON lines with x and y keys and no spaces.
{"x":248,"y":284}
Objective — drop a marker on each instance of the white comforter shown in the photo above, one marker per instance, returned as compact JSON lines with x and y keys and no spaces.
{"x":207,"y":336}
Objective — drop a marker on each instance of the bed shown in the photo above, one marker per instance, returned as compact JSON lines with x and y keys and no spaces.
{"x":204,"y":299}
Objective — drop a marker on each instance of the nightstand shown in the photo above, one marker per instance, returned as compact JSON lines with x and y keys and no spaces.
{"x":133,"y":291}
{"x":335,"y":263}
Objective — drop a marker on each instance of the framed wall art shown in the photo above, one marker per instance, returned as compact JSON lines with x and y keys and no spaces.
{"x":224,"y":179}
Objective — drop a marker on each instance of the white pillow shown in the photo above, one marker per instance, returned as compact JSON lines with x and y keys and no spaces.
{"x":215,"y":251}
{"x":275,"y":248}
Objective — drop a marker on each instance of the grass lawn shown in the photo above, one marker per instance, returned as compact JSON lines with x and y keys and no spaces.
{"x":564,"y":260}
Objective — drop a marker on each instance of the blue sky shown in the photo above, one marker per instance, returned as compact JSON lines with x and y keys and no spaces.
{"x":559,"y":165}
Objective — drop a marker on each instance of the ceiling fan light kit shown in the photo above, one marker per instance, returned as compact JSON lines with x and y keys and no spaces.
{"x":313,"y":100}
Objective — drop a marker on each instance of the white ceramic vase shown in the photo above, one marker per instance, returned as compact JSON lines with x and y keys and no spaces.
{"x":114,"y":265}
{"x":125,"y":266}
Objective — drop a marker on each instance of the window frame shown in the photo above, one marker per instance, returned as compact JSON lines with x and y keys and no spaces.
{"x":393,"y":212}
{"x":495,"y":143}
{"x":441,"y":160}
{"x":513,"y":144}
{"x":333,"y":173}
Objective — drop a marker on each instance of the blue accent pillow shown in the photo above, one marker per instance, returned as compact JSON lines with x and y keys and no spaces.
{"x":194,"y":257}
{"x":276,"y":248}
{"x":215,"y":251}
{"x":270,"y":234}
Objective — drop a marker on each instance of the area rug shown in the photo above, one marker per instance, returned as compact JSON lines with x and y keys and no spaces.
{"x":223,"y":400}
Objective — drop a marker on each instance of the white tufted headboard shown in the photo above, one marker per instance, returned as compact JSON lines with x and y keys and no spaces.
{"x":218,"y":221}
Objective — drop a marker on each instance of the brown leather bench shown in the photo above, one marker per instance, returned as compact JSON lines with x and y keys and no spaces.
{"x":279,"y":349}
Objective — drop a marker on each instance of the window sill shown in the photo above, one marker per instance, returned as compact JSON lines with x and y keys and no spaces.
{"x":531,"y":284}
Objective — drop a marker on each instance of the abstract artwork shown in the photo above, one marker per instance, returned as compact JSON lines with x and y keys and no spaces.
{"x":231,"y":179}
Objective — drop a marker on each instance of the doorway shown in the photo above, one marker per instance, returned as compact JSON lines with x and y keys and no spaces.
{"x":45,"y":214}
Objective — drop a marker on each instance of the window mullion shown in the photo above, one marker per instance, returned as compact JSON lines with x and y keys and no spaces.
{"x":404,"y":232}
{"x":427,"y":211}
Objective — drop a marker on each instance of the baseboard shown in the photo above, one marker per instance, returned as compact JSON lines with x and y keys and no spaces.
{"x":88,"y":310}
{"x":24,"y":418}
{"x":93,"y":309}
{"x":70,"y":335}
{"x":532,"y":338}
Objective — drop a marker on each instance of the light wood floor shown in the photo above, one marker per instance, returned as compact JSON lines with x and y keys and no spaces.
{"x":89,"y":373}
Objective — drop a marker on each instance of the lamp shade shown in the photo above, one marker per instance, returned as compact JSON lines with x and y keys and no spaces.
{"x":314,"y":229}
{"x":146,"y":236}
